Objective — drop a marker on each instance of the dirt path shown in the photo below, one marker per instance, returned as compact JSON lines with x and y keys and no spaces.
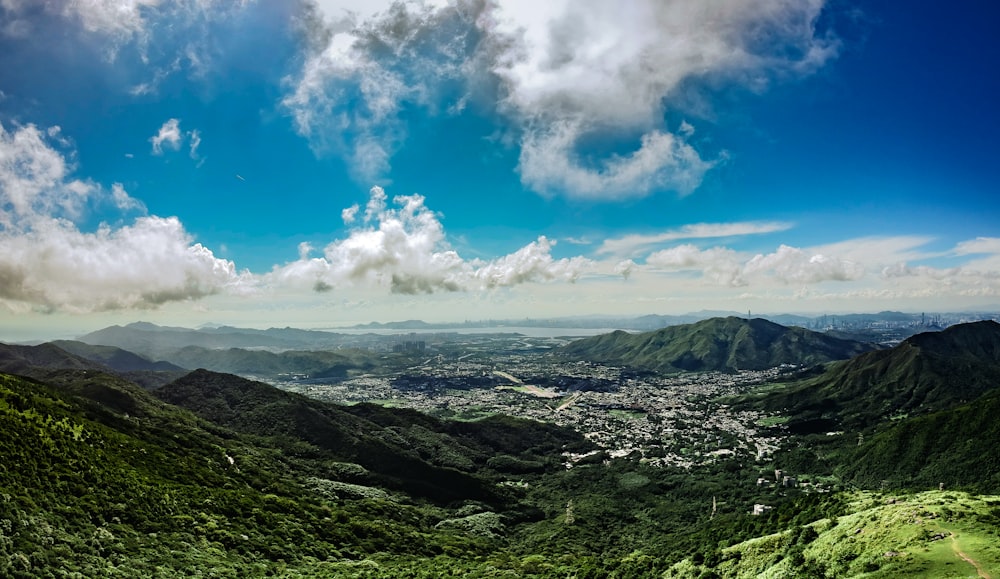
{"x":569,"y":402}
{"x":968,"y":559}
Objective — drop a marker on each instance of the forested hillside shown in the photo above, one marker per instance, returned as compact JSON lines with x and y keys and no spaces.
{"x":717,"y":344}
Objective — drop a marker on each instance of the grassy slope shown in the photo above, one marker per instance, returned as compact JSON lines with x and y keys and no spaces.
{"x":882,"y":537}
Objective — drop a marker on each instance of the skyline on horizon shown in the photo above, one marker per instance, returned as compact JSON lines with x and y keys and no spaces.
{"x":333,"y":162}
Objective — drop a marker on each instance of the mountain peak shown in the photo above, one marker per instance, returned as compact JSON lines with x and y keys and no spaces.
{"x":716,"y":344}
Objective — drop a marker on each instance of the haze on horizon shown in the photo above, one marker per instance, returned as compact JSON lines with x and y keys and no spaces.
{"x":317,"y":164}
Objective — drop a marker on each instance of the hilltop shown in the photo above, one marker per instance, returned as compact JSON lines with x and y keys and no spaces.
{"x":717,"y":344}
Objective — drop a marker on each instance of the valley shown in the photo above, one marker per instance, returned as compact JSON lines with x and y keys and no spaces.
{"x":502,"y":454}
{"x":657,"y":419}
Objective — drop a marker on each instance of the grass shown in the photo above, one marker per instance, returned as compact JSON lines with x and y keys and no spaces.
{"x":770,"y":421}
{"x":883,"y":537}
{"x":627,"y":414}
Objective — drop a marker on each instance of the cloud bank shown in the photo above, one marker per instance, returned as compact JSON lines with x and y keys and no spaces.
{"x":562,"y":73}
{"x":403,"y":247}
{"x":48,"y":263}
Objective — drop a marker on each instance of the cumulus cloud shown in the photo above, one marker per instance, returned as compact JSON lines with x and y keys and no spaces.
{"x":563,"y":73}
{"x":794,"y":265}
{"x":786,"y":265}
{"x":719,"y":264}
{"x":360,"y":77}
{"x":151,"y":262}
{"x":879,"y":268}
{"x":902,"y":269}
{"x":47,"y":262}
{"x":549,"y":165}
{"x":403,"y":247}
{"x":34,"y":177}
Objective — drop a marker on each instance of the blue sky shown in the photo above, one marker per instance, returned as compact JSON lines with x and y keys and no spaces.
{"x":324,"y":163}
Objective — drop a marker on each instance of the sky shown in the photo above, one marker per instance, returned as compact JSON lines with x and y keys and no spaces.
{"x":323,"y":163}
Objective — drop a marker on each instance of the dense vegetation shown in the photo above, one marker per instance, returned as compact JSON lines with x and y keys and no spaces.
{"x":216,"y":475}
{"x":716,"y":344}
{"x":927,"y":373}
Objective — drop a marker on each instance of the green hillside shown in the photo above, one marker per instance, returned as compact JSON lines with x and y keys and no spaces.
{"x":25,"y":359}
{"x":926,"y":373}
{"x":716,"y":344}
{"x":931,"y":534}
{"x":957,"y":448}
{"x":913,"y":417}
{"x":100,"y":479}
{"x":315,"y":364}
{"x":217,"y":475}
{"x":116,"y":358}
{"x":399,"y":449}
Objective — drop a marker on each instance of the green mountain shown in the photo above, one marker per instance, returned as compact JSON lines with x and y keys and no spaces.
{"x":314,"y":364}
{"x":717,"y":344}
{"x":159,"y":342}
{"x":926,"y":373}
{"x":217,"y":475}
{"x":100,"y":478}
{"x":25,"y":359}
{"x":39,"y":361}
{"x":116,"y":358}
{"x":400,"y":449}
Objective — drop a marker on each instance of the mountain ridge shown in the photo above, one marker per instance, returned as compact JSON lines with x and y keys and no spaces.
{"x":927,"y":372}
{"x":717,"y":344}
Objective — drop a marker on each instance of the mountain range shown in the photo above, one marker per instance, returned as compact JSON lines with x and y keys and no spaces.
{"x":208,"y":470}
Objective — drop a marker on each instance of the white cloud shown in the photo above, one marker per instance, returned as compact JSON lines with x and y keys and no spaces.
{"x":875,"y":268}
{"x":195,"y":142}
{"x":624,"y":268}
{"x":634,"y":244}
{"x":169,"y":134}
{"x":47,"y":262}
{"x":786,"y":265}
{"x":349,"y":214}
{"x":34,"y":178}
{"x":123,"y":201}
{"x":879,"y":251}
{"x":531,"y":263}
{"x":562,"y":72}
{"x":352,"y":88}
{"x":549,"y":165}
{"x":796,"y":266}
{"x":403,"y":248}
{"x":151,"y":262}
{"x":979,"y":246}
{"x":719,"y":264}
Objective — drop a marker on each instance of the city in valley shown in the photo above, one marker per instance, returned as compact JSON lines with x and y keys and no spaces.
{"x":674,"y":420}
